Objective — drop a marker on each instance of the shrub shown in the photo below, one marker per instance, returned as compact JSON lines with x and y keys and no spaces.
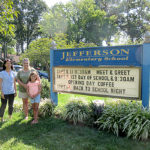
{"x":137,"y":123}
{"x":128,"y":118}
{"x":96,"y":109}
{"x":110,"y":119}
{"x":76,"y":112}
{"x":45,"y":93}
{"x":59,"y":111}
{"x":17,"y":107}
{"x":46,"y":108}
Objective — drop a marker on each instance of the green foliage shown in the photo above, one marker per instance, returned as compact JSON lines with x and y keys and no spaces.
{"x":82,"y":44}
{"x":134,"y":20}
{"x":88,"y":23}
{"x":137,"y":123}
{"x":76,"y":112}
{"x":45,"y":88}
{"x":132,"y":16}
{"x":46,"y":108}
{"x":62,"y":41}
{"x":55,"y":134}
{"x":82,"y":21}
{"x":96,"y":110}
{"x":59,"y":111}
{"x":39,"y":52}
{"x":7,"y":14}
{"x":26,"y":23}
{"x":53,"y":22}
{"x":110,"y":119}
{"x":17,"y":107}
{"x":128,"y":118}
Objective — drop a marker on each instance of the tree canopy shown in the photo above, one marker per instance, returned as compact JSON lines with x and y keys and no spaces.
{"x":27,"y":22}
{"x":7,"y":14}
{"x":77,"y":23}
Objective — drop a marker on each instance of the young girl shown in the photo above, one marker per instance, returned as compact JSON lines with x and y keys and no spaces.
{"x":33,"y":90}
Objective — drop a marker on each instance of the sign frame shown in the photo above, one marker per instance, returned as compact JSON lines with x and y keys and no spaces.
{"x":100,"y":95}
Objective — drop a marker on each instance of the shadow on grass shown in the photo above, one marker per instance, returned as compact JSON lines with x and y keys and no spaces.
{"x":55,"y":134}
{"x":26,"y":133}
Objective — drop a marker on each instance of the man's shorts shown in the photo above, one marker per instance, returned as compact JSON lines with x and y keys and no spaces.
{"x":36,"y":99}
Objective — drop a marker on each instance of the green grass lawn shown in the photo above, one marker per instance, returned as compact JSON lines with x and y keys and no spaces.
{"x":56,"y":134}
{"x":63,"y":98}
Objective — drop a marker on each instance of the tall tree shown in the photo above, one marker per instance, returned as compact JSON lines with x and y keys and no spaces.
{"x":81,"y":20}
{"x":27,"y":28}
{"x":132,"y":16}
{"x":7,"y":14}
{"x":7,"y":41}
{"x":53,"y":21}
{"x":87,"y":23}
{"x":20,"y":27}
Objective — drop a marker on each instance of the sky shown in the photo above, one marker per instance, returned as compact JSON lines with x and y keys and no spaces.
{"x":52,"y":2}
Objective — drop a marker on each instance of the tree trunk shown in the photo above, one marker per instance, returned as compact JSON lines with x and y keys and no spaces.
{"x":17,"y":48}
{"x":22,"y":49}
{"x":4,"y":50}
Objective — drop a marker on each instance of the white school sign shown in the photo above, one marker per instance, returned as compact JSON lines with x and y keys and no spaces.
{"x":104,"y":81}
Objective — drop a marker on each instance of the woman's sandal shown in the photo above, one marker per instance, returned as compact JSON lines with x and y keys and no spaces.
{"x":34,"y":122}
{"x":26,"y":118}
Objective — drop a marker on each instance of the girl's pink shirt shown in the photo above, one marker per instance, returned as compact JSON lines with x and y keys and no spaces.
{"x":33,"y":87}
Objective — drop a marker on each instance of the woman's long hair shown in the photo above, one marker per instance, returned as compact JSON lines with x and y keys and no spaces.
{"x":4,"y":67}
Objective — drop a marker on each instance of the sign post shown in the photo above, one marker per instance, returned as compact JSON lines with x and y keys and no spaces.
{"x":146,"y":72}
{"x":54,"y":96}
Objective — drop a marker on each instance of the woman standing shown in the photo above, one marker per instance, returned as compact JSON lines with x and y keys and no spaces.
{"x":7,"y":88}
{"x":22,"y":78}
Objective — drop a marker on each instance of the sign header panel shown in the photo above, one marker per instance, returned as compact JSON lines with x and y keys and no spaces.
{"x":99,"y":56}
{"x":123,"y":82}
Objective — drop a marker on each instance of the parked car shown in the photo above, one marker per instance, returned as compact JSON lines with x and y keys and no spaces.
{"x":16,"y":68}
{"x":42,"y":74}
